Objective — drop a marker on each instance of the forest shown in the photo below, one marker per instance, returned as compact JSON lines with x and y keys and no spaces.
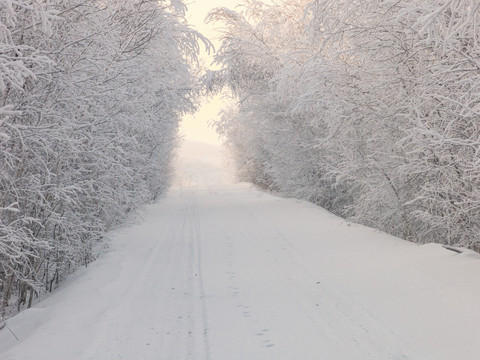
{"x":92,"y":93}
{"x":369,"y":108}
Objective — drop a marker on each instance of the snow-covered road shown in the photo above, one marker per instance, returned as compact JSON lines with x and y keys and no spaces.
{"x":231,"y":273}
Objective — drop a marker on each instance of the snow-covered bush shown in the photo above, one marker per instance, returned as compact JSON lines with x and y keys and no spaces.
{"x":91,"y":96}
{"x":369,"y":108}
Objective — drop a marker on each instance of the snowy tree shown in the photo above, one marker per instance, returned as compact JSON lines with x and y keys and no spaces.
{"x":442,"y":138}
{"x":88,"y":128}
{"x":365,"y":107}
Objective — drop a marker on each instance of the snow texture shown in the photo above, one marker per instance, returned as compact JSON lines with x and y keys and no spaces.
{"x":229,"y":272}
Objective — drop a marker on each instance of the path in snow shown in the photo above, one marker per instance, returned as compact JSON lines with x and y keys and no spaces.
{"x":231,"y":273}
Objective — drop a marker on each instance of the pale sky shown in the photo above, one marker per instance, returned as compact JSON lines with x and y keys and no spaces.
{"x":196,"y":127}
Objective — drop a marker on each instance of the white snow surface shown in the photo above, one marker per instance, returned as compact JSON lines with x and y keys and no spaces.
{"x":227,"y":272}
{"x":201,"y":164}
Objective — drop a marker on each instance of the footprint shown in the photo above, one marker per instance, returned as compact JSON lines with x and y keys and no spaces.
{"x":269,"y":345}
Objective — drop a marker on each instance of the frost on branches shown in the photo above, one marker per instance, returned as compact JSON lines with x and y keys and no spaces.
{"x":368,"y":108}
{"x":91,"y":93}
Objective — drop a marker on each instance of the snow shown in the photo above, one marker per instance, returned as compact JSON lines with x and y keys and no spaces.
{"x":201,"y":164}
{"x":225,"y":271}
